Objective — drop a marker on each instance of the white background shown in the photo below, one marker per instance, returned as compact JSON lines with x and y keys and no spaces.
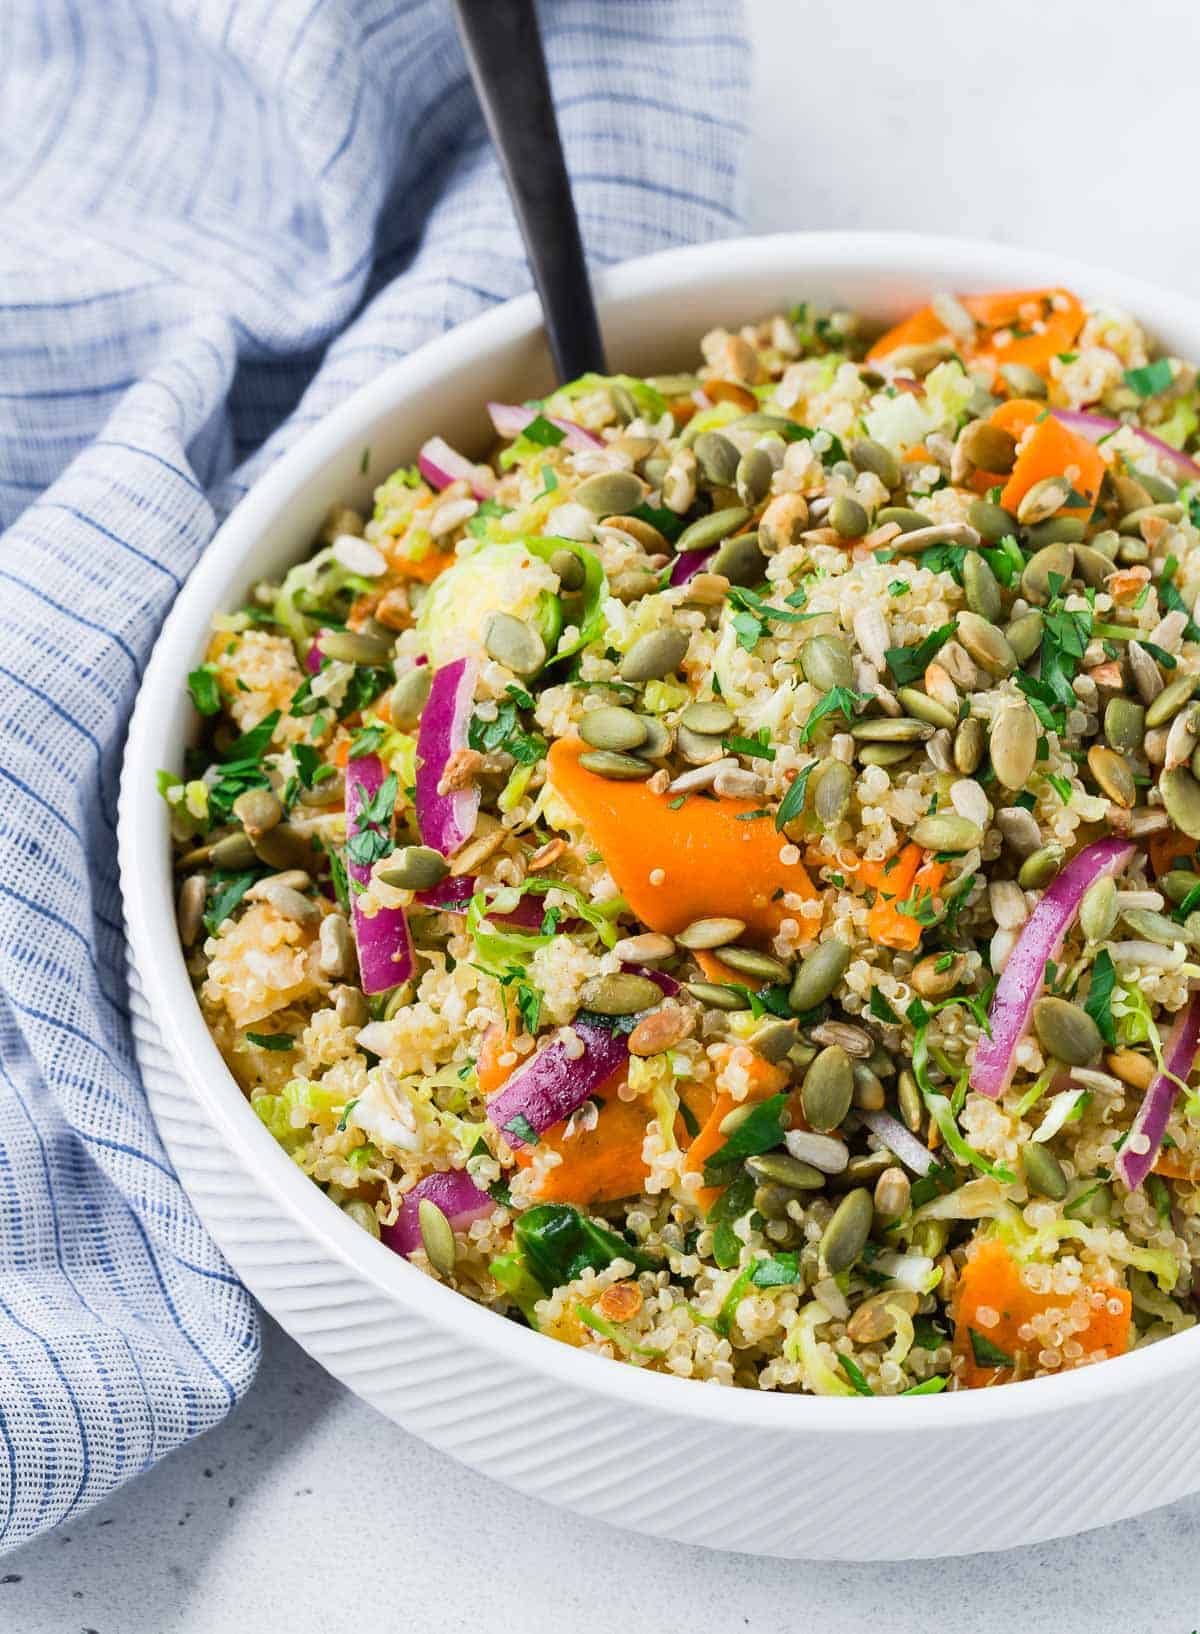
{"x":1059,"y":124}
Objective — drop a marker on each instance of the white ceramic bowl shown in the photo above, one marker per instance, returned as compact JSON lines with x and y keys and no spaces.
{"x":732,"y":1469}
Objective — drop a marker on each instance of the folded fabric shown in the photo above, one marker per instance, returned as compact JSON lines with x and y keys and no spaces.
{"x":219,"y":217}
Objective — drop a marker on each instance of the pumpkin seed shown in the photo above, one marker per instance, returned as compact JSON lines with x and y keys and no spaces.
{"x":336,"y":947}
{"x":193,"y":894}
{"x":885,"y":754}
{"x":704,"y":934}
{"x":1025,"y":382}
{"x":1131,"y":1068}
{"x":1041,"y":867}
{"x":1092,"y":566}
{"x":1132,"y":521}
{"x":1106,"y":543}
{"x":831,"y":791}
{"x":617,"y":767}
{"x":785,"y":1170}
{"x":711,"y":529}
{"x":658,"y":741}
{"x":350,"y":1006}
{"x":818,"y":975}
{"x":698,"y":748}
{"x":824,"y":1152}
{"x":1124,"y":724}
{"x":905,"y":518}
{"x":610,"y":493}
{"x":893,"y":1194}
{"x":937,"y":974}
{"x":620,"y":994}
{"x":233,"y":852}
{"x":568,"y":569}
{"x":654,"y":655}
{"x":1133,"y":552}
{"x":968,"y":745}
{"x":1013,"y":743}
{"x":891,"y":729}
{"x":711,"y":718}
{"x":514,"y":643}
{"x":740,"y":559}
{"x":1111,"y":770}
{"x":1067,"y":1032}
{"x":1178,"y":884}
{"x":749,"y":961}
{"x":718,"y":458}
{"x":771,"y":1200}
{"x":946,"y":831}
{"x":1161,"y":489}
{"x":848,"y":518}
{"x":1170,"y":700}
{"x":257,"y":810}
{"x":1043,"y":1172}
{"x":987,"y":645}
{"x":752,"y":479}
{"x":1040,"y":502}
{"x":1147,"y":677}
{"x":612,"y":727}
{"x":869,"y":1093}
{"x":863,"y":1169}
{"x":1025,"y":635}
{"x":1153,"y":927}
{"x":828,"y":1089}
{"x":415,"y":868}
{"x":988,"y":447}
{"x":940,"y":533}
{"x":924,"y":708}
{"x":352,"y":647}
{"x":909,"y":1100}
{"x":716,"y":996}
{"x":845,"y":1237}
{"x":644,"y":533}
{"x":1059,"y":530}
{"x":981,"y":587}
{"x":409,"y":695}
{"x":868,"y":455}
{"x":1056,"y":560}
{"x":1098,"y":910}
{"x":773,"y":1039}
{"x":991,"y":522}
{"x":437,"y":1237}
{"x":783,"y":522}
{"x":827,"y":663}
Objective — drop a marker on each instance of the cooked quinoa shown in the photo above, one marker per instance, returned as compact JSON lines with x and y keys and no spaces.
{"x":717,"y":883}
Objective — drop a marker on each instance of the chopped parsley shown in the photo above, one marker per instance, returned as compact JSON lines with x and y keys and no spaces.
{"x":759,"y":1131}
{"x":202,"y":684}
{"x":520,"y":1126}
{"x":756,"y":748}
{"x":753,"y":616}
{"x":373,"y":839}
{"x":1151,"y":378}
{"x":227,"y":891}
{"x":792,"y":804}
{"x":908,"y":664}
{"x":506,"y":733}
{"x":776,"y":1271}
{"x":842,"y":699}
{"x":986,"y":1353}
{"x":272,"y":1041}
{"x":366,"y":741}
{"x":855,"y":1374}
{"x":1098,"y":1003}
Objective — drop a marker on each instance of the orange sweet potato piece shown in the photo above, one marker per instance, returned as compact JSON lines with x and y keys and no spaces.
{"x":1054,"y":450}
{"x":1028,"y":326}
{"x":765,"y":1079}
{"x":490,"y":1071}
{"x":912,"y":873}
{"x":1163,"y":849}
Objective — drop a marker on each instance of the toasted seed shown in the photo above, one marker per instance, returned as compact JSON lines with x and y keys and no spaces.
{"x":1178,"y":884}
{"x":257,"y":810}
{"x":569,"y":570}
{"x":630,"y":584}
{"x":771,"y":1200}
{"x":1131,"y":522}
{"x":752,"y":479}
{"x":409,"y":695}
{"x":1111,"y":771}
{"x":514,"y":643}
{"x":1092,"y":566}
{"x":336,"y":945}
{"x":825,"y":1153}
{"x":1124,"y":724}
{"x":1040,"y":868}
{"x":647,"y":947}
{"x":786,"y":1170}
{"x":658,"y":740}
{"x":848,"y":518}
{"x":1131,"y":1068}
{"x":891,"y":729}
{"x":831,"y":791}
{"x":660,"y":1030}
{"x":937,"y":974}
{"x":773,"y":1039}
{"x":1043,"y":1172}
{"x":1147,"y":676}
{"x":827,"y":662}
{"x":610,"y":493}
{"x":992,"y":522}
{"x":981,"y":587}
{"x":415,"y":868}
{"x":1059,"y":530}
{"x":233,"y":852}
{"x":709,"y":933}
{"x":718,"y":458}
{"x":924,"y":708}
{"x":711,"y":529}
{"x":863,"y":1169}
{"x":437,"y":1237}
{"x":909,"y":1100}
{"x":885,"y":754}
{"x":1106,"y":543}
{"x":856,"y":1041}
{"x":1012,"y":744}
{"x":893,"y":1193}
{"x":698,"y":748}
{"x":783,"y":522}
{"x":740,"y":560}
{"x":289,"y":902}
{"x":352,"y":647}
{"x":617,"y":767}
{"x":612,"y":727}
{"x":193,"y":893}
{"x":968,"y":745}
{"x":710,"y":718}
{"x":350,"y":1005}
{"x":987,"y":645}
{"x":1025,"y":635}
{"x":939,"y":533}
{"x":1133,"y":552}
{"x":620,"y":994}
{"x":1152,"y":927}
{"x":988,"y":447}
{"x":654,"y":655}
{"x":1098,"y":910}
{"x":716,"y":996}
{"x":946,"y":831}
{"x":750,"y":962}
{"x":1056,"y":560}
{"x":1041,"y":501}
{"x":906,"y":519}
{"x":1170,"y":700}
{"x":828,"y":1089}
{"x":1025,"y":382}
{"x":845,"y":1237}
{"x":1067,"y":1032}
{"x":818,"y":975}
{"x":867,"y":455}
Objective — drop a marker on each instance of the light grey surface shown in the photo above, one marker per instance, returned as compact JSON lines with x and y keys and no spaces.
{"x":307,"y":1512}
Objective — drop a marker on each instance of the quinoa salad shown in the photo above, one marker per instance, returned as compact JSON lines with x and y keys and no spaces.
{"x":717,"y":882}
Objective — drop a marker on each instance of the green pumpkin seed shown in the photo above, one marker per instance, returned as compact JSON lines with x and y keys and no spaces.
{"x":1040,"y":868}
{"x":827,"y":663}
{"x":711,"y":529}
{"x":1025,"y":382}
{"x":257,"y":810}
{"x":1043,"y":1172}
{"x":992,"y":522}
{"x":924,"y":708}
{"x":752,"y":479}
{"x":773,"y":1040}
{"x":437,"y":1237}
{"x":1161,"y":489}
{"x":408,"y":697}
{"x":988,"y":447}
{"x":771,"y":1200}
{"x":1098,"y":910}
{"x":415,"y":868}
{"x":1040,"y":502}
{"x":1012,"y":744}
{"x":1133,"y":552}
{"x":828,"y":1089}
{"x":514,"y":643}
{"x":698,"y":748}
{"x":1067,"y":1032}
{"x":740,"y":560}
{"x":1178,"y":884}
{"x":1059,"y":530}
{"x":908,"y":1098}
{"x":630,"y":584}
{"x":352,"y":647}
{"x":1124,"y":725}
{"x":1153,"y":927}
{"x":1024,"y":635}
{"x":831,"y":791}
{"x":718,"y":458}
{"x":946,"y":831}
{"x":937,"y":974}
{"x":749,"y":961}
{"x":786,"y":1170}
{"x":818,"y":975}
{"x":968,"y":745}
{"x":654,"y":655}
{"x":891,"y":729}
{"x":864,"y":1169}
{"x":233,"y":852}
{"x":884,"y":754}
{"x":1092,"y":566}
{"x":620,"y":994}
{"x":618,"y":768}
{"x":658,"y":741}
{"x":848,"y":518}
{"x":1171,"y":511}
{"x":905,"y":518}
{"x":1106,"y":543}
{"x":569,"y":570}
{"x":868,"y":455}
{"x":981,"y":587}
{"x":610,"y":493}
{"x":763,"y":423}
{"x":1170,"y":700}
{"x":716,"y":996}
{"x":711,"y":718}
{"x":703,"y":934}
{"x":612,"y":727}
{"x":1112,"y":772}
{"x":846,"y":1235}
{"x":987,"y":645}
{"x":1057,"y":561}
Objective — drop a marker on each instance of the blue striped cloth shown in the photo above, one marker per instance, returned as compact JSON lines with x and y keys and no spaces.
{"x":218,"y":217}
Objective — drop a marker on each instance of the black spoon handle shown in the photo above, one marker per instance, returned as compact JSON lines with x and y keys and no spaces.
{"x":504,"y":52}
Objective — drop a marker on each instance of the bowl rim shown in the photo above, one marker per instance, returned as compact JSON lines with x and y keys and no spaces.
{"x":149,"y":907}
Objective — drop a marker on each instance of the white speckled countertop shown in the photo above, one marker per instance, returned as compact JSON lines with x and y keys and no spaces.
{"x":306,"y":1511}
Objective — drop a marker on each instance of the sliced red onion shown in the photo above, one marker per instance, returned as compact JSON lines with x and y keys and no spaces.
{"x":454,"y":1192}
{"x":901,"y":1142}
{"x":687,"y":564}
{"x":1096,"y":426}
{"x":441,"y":465}
{"x":314,"y":655}
{"x":385,"y":957}
{"x":1150,"y":1125}
{"x":446,"y":821}
{"x":454,"y":895}
{"x":510,"y":420}
{"x":1040,"y":940}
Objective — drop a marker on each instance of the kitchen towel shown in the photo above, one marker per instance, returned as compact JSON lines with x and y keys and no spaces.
{"x":217,"y":218}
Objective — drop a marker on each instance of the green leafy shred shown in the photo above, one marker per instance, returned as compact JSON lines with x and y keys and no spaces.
{"x":838,"y":699}
{"x":792,"y":804}
{"x":855,"y":1374}
{"x":202,"y":684}
{"x":908,"y":664}
{"x":1098,"y":1003}
{"x":759,"y":1131}
{"x":986,"y":1353}
{"x":1151,"y":378}
{"x":272,"y":1041}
